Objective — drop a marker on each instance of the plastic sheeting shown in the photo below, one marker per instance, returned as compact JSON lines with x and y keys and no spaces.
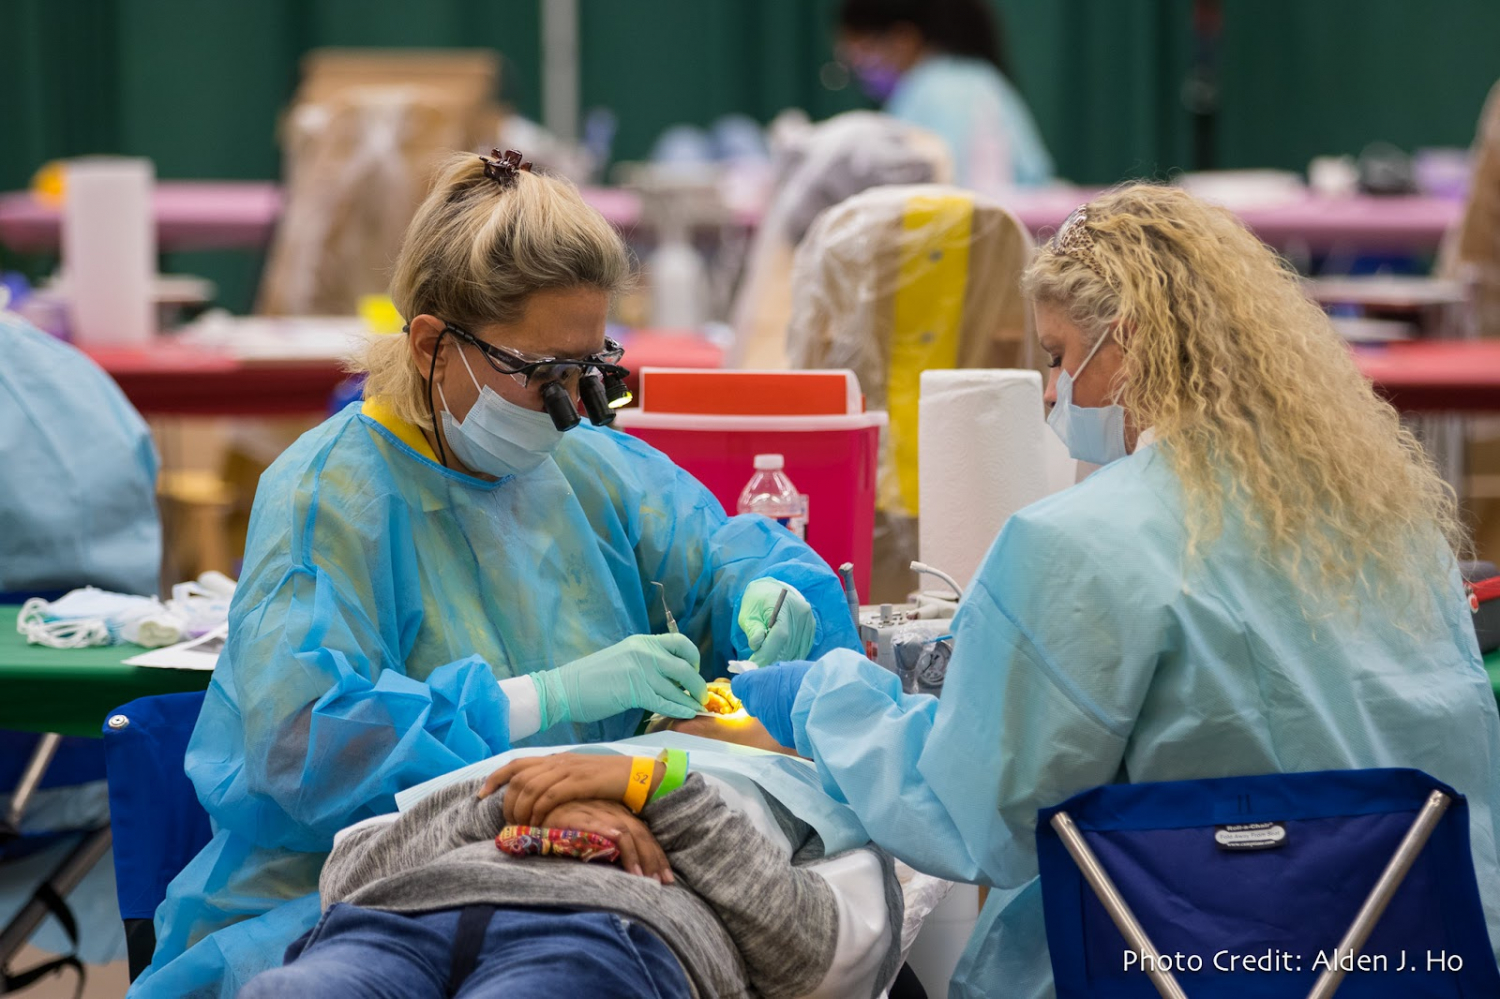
{"x":1475,"y":255}
{"x":1472,"y":254}
{"x":895,"y":281}
{"x":358,"y":165}
{"x":816,"y":169}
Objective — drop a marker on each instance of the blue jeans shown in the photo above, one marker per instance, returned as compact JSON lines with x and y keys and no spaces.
{"x":544,"y":953}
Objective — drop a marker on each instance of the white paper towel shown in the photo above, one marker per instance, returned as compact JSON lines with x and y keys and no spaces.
{"x":980,"y":458}
{"x":109,"y":249}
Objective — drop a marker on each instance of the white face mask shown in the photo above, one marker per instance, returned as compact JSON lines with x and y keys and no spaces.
{"x":1095,"y":434}
{"x":498,"y":437}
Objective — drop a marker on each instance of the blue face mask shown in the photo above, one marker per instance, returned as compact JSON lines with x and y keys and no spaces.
{"x":1095,"y":434}
{"x":498,"y":437}
{"x":877,"y":80}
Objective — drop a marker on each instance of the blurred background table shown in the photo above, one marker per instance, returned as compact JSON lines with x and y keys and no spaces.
{"x":243,"y":214}
{"x":190,"y":215}
{"x":1404,"y":223}
{"x":185,"y":379}
{"x":1436,"y":375}
{"x":72,"y":691}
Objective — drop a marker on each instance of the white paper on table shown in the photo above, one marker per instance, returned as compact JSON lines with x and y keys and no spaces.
{"x":198,"y":653}
{"x":278,"y":338}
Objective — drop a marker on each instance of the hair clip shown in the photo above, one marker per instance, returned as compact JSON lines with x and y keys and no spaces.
{"x":504,"y":167}
{"x":1074,"y":239}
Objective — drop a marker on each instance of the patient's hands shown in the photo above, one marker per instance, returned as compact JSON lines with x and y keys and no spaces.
{"x":538,"y":784}
{"x":640,"y":854}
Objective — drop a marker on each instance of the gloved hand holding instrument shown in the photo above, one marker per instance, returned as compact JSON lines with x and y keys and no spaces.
{"x":778,"y":622}
{"x":653,"y":672}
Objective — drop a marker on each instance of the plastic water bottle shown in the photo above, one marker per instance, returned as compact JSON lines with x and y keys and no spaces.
{"x":771,"y":494}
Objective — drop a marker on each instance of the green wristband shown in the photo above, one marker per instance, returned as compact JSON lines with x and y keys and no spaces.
{"x":677,"y":765}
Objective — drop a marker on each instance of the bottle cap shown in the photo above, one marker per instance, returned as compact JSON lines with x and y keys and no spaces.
{"x":769,"y":462}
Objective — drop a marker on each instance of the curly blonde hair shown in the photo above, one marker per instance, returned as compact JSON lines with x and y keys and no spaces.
{"x":1254,"y":396}
{"x":475,"y":252}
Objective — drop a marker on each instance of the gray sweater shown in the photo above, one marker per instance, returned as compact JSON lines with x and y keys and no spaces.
{"x":741,"y":919}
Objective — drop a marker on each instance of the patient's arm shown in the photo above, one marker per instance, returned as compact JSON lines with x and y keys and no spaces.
{"x":389,"y":844}
{"x":455,"y":816}
{"x":783,"y":919}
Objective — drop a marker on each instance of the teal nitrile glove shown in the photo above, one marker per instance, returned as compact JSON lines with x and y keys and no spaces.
{"x":654,"y":672}
{"x":792,"y":637}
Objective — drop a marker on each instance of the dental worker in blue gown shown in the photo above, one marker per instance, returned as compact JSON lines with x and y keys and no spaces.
{"x":451,"y":568}
{"x":1260,"y":579}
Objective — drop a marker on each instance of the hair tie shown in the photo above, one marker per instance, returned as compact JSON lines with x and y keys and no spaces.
{"x":505,"y":167}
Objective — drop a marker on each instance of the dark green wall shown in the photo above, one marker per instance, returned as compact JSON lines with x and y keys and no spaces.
{"x":198,"y":84}
{"x":1305,"y":77}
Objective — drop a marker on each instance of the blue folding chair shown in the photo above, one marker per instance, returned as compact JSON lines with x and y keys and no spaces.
{"x":1360,"y":882}
{"x":158,"y":824}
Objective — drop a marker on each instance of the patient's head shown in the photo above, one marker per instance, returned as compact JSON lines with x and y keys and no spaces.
{"x":738,"y":728}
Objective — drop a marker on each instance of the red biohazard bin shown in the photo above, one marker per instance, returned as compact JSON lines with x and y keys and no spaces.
{"x":831,"y":457}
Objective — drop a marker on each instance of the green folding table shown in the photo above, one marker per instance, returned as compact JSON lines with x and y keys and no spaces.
{"x":65,"y":692}
{"x":71,"y":691}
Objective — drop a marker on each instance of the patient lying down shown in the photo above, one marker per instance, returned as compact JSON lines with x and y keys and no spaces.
{"x":716,"y":892}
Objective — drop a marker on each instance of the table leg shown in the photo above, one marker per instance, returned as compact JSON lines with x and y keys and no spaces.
{"x":31,"y":777}
{"x":64,"y":878}
{"x":1442,"y":436}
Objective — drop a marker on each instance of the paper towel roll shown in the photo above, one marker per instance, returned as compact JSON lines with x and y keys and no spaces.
{"x":109,"y":249}
{"x":980,"y":459}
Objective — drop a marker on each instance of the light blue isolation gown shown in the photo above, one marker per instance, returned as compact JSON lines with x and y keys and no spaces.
{"x":1084,"y":654}
{"x":978,"y":112}
{"x":382,"y":598}
{"x":77,"y":472}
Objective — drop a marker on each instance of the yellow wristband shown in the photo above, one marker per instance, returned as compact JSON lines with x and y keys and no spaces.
{"x":638,"y":787}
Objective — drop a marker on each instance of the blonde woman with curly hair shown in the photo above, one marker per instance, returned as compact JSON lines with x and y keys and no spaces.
{"x":459,"y":565}
{"x":1260,"y":579}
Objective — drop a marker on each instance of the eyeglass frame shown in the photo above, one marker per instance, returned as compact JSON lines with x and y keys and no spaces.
{"x":523,"y":367}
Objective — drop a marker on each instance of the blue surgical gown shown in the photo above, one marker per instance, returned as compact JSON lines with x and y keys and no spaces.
{"x":1089,"y":651}
{"x":383,"y":596}
{"x":78,"y":490}
{"x":978,"y":112}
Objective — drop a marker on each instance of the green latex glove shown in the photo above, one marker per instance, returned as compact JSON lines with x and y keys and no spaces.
{"x":791,"y":638}
{"x":654,"y":672}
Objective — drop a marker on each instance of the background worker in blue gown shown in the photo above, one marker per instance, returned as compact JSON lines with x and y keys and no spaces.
{"x":941,"y":65}
{"x":1260,"y":579}
{"x":441,"y":572}
{"x":78,"y":498}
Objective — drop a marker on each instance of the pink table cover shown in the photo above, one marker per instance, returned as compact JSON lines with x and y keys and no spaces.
{"x":190,"y":215}
{"x":242,"y":214}
{"x":1401,"y":224}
